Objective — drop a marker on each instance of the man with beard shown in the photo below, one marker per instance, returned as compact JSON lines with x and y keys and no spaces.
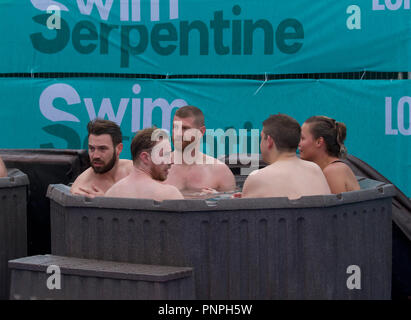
{"x":151,"y":154}
{"x":104,"y":148}
{"x":193,"y":172}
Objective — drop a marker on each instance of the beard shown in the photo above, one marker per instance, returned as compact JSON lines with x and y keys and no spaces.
{"x":107,"y":167}
{"x":157,"y":173}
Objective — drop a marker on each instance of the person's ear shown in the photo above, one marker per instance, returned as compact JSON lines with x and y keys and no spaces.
{"x":270,"y":141}
{"x":119,"y":148}
{"x":202,"y":130}
{"x":144,"y":157}
{"x":319,"y":142}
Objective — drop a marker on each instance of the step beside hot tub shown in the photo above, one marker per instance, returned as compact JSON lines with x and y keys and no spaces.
{"x":316,"y":247}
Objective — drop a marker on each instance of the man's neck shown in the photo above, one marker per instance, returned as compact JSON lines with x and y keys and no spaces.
{"x":109,"y":175}
{"x":282,"y":156}
{"x":194,"y":157}
{"x":141,"y":171}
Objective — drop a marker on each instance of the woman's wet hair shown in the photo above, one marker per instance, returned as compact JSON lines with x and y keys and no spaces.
{"x":333,"y":133}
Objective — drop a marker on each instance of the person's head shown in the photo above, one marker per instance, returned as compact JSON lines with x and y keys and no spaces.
{"x":151,"y":151}
{"x":281,"y":133}
{"x":190,"y":120}
{"x":104,"y":144}
{"x":322,"y":134}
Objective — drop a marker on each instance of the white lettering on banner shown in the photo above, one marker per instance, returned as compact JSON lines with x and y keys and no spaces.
{"x":43,"y":5}
{"x":103,"y":10}
{"x":86,"y":7}
{"x":71,"y":96}
{"x":166,"y":108}
{"x":401,"y":117}
{"x":106,"y":108}
{"x":354,"y":20}
{"x":392,"y":5}
{"x":59,"y":90}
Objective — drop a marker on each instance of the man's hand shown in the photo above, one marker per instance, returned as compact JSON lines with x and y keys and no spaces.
{"x":92,"y":192}
{"x":208,"y":191}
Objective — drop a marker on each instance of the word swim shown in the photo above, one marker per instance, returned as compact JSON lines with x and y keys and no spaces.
{"x":183,"y":38}
{"x":51,"y":106}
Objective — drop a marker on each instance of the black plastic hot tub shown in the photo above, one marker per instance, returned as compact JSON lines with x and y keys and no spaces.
{"x":268,"y":248}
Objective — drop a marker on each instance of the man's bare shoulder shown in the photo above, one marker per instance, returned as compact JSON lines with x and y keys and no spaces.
{"x":270,"y":170}
{"x":216,"y":164}
{"x":125,"y":164}
{"x":168,"y":191}
{"x":84,"y":180}
{"x":211,"y":160}
{"x":84,"y":176}
{"x":310,"y":165}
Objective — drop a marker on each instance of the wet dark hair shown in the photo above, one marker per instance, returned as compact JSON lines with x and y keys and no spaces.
{"x":191,"y":111}
{"x":284,"y":130}
{"x":333,"y":133}
{"x":99,"y":126}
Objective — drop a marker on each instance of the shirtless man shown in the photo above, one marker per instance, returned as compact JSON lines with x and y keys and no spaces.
{"x":104,"y":148}
{"x":3,"y":170}
{"x":286,"y":175}
{"x":151,"y":160}
{"x":194,"y":172}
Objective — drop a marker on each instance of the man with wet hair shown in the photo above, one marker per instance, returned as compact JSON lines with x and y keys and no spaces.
{"x":104,"y":148}
{"x":3,"y":170}
{"x":286,"y":175}
{"x":151,"y":153}
{"x":194,"y":172}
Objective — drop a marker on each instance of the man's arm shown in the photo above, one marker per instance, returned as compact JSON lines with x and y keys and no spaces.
{"x":83,"y":188}
{"x":226,"y":179}
{"x":3,"y":170}
{"x":171,"y":193}
{"x":251,"y":188}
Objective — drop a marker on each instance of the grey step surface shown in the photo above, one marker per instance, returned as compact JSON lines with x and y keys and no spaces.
{"x":271,"y":248}
{"x":98,"y":279}
{"x":13,"y":222}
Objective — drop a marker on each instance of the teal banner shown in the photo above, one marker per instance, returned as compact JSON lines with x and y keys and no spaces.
{"x":39,"y":113}
{"x":204,"y":36}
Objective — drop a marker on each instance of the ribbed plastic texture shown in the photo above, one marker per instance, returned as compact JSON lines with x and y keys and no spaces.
{"x":84,"y":279}
{"x":13,"y":223}
{"x":272,"y":248}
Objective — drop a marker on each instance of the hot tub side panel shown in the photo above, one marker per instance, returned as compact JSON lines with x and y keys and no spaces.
{"x":292,"y":253}
{"x":13,"y":230}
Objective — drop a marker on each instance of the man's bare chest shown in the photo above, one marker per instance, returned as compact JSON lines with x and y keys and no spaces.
{"x":194,"y":178}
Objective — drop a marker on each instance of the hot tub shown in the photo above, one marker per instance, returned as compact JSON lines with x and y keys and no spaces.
{"x":13,"y":223}
{"x":317,"y":247}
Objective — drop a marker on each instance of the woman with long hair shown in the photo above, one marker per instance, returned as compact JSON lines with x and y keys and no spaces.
{"x":322,"y":141}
